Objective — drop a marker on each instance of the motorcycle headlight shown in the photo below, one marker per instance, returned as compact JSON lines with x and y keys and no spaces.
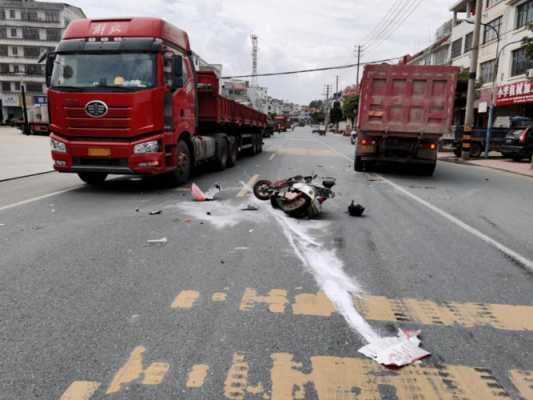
{"x":147,"y":147}
{"x":58,"y":146}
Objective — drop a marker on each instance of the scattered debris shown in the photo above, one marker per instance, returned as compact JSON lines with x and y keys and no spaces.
{"x":221,"y":261}
{"x":208,"y":213}
{"x":242,"y":248}
{"x":355,"y":210}
{"x":249,"y":207}
{"x":2,"y":224}
{"x":137,"y":209}
{"x":251,"y":230}
{"x":198,"y":195}
{"x":486,"y":179}
{"x":396,"y":351}
{"x":157,"y":241}
{"x":156,"y":212}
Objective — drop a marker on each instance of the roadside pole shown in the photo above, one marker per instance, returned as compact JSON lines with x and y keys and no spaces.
{"x":469,"y":115}
{"x":336,"y":92}
{"x":358,"y":62}
{"x":326,"y":117}
{"x":26,"y":130}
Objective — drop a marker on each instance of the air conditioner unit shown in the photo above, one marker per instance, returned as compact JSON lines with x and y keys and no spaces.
{"x":529,"y":73}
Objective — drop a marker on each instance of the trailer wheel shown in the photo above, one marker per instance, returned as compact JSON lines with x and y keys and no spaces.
{"x":93,"y":178}
{"x":427,"y":169}
{"x":221,"y":159}
{"x":475,"y":150}
{"x":233,"y":153}
{"x":359,"y":164}
{"x":259,"y":144}
{"x":182,"y":173}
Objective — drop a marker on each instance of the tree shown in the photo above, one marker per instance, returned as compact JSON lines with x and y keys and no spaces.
{"x":316,"y":104}
{"x":317,"y":117}
{"x":350,"y":106}
{"x":335,"y":114}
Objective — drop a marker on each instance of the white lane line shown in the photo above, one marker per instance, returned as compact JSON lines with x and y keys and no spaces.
{"x":34,"y":199}
{"x":248,"y":186}
{"x":470,"y":229}
{"x":273,"y":156}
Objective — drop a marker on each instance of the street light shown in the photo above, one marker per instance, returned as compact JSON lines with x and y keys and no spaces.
{"x":492,"y":104}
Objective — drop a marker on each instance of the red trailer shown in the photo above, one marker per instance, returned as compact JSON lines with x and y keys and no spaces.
{"x":127,"y":96}
{"x":403,"y":111}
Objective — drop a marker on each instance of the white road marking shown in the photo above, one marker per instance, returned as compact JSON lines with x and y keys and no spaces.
{"x":248,"y":186}
{"x":273,"y":156}
{"x":34,"y":199}
{"x":470,"y":229}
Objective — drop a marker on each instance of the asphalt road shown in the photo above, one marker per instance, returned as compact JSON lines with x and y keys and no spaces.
{"x":229,"y":308}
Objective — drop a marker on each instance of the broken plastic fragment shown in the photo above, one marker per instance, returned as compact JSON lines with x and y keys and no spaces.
{"x":396,"y":351}
{"x":157,"y":241}
{"x":156,"y":212}
{"x":198,"y":195}
{"x":249,"y":207}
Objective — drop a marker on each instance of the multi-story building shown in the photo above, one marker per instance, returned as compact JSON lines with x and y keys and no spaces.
{"x":27,"y":29}
{"x":438,"y":52}
{"x":506,"y":23}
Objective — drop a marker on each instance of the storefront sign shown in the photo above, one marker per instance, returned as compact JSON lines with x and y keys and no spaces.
{"x":10,"y":100}
{"x":515,"y":93}
{"x":40,"y":100}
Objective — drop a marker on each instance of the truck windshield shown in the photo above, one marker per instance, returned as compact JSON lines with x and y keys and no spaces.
{"x":113,"y":71}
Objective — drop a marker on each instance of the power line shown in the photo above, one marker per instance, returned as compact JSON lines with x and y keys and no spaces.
{"x":312,"y":70}
{"x":384,"y":22}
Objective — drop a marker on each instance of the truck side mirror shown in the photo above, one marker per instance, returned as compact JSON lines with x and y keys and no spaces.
{"x":174,"y":71}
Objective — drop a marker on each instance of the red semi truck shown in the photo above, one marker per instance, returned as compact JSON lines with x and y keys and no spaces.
{"x":403,"y":111}
{"x":128,"y":96}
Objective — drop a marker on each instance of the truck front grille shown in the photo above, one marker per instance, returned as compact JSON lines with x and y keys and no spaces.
{"x":100,"y":162}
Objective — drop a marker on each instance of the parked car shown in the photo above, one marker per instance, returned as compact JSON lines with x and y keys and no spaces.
{"x":353,"y":136}
{"x":518,"y":144}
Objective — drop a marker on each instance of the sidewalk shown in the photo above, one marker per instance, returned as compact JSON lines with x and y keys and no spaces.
{"x":494,"y":162}
{"x":23,"y":155}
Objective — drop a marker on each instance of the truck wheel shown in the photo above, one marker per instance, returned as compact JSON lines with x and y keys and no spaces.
{"x":259,"y":144}
{"x":458,"y":151}
{"x":233,"y":153}
{"x":222,"y":153}
{"x":427,"y":169}
{"x":93,"y":178}
{"x":475,"y":150}
{"x":182,"y":173}
{"x":517,"y":158}
{"x":359,"y":165}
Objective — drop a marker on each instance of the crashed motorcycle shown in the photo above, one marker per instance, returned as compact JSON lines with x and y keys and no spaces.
{"x":298,"y":196}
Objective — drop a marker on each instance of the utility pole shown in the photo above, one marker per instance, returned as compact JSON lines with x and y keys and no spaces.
{"x":326,"y":117}
{"x":358,"y":62}
{"x":26,"y":130}
{"x":336,"y":99}
{"x":469,"y":115}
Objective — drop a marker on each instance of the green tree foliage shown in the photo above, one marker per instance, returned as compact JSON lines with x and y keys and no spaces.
{"x":316,"y":104}
{"x":350,"y":106}
{"x":335,"y":114}
{"x":317,"y":117}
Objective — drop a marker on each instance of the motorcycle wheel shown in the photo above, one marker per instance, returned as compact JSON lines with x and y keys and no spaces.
{"x":297,"y":208}
{"x":263,"y":189}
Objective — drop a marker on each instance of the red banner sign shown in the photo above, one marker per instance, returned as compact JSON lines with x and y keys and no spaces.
{"x":515,"y":93}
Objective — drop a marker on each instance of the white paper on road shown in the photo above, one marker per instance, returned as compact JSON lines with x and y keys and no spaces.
{"x":396,"y":351}
{"x":157,"y":241}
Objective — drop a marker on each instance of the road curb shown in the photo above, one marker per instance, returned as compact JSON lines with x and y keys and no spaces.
{"x":455,"y":161}
{"x":26,"y":176}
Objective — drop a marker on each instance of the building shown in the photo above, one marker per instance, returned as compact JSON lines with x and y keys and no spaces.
{"x":27,"y":29}
{"x":501,"y":48}
{"x":438,"y":52}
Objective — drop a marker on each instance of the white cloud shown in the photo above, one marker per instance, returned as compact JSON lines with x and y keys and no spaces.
{"x":293,"y":34}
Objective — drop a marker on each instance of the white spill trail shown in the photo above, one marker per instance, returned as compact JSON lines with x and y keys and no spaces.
{"x":323,"y":264}
{"x":327,"y":270}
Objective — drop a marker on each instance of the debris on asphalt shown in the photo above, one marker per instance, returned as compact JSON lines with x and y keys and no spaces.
{"x":198,"y":195}
{"x":2,"y":224}
{"x":208,"y":213}
{"x":396,"y":351}
{"x":157,"y":241}
{"x":355,"y":210}
{"x":251,"y":231}
{"x":137,"y":209}
{"x":156,"y":212}
{"x":249,"y":207}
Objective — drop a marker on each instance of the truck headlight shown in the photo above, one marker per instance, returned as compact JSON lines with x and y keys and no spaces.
{"x":58,"y":146}
{"x":147,"y":147}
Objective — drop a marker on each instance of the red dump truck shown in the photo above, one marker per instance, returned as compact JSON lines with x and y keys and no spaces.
{"x":128,"y":96}
{"x":403,"y":111}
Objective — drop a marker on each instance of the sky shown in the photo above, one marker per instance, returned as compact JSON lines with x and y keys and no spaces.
{"x":293,"y":34}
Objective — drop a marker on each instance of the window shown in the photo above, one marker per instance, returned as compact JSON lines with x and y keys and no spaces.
{"x":524,"y":14}
{"x":468,"y":42}
{"x":51,"y":16}
{"x":3,"y":33}
{"x":12,"y":14}
{"x":17,"y":86}
{"x":16,"y":68}
{"x":34,"y":69}
{"x":34,"y":87}
{"x":2,"y":13}
{"x":6,"y":86}
{"x":53,"y":35}
{"x":30,"y":16}
{"x":32,"y":52}
{"x":491,"y":3}
{"x":487,"y":71}
{"x":441,"y":57}
{"x":521,"y":63}
{"x":13,"y":32}
{"x":3,"y":51}
{"x":30,"y":33}
{"x":489,"y":32}
{"x":15,"y":51}
{"x":4,"y":68}
{"x":456,"y":47}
